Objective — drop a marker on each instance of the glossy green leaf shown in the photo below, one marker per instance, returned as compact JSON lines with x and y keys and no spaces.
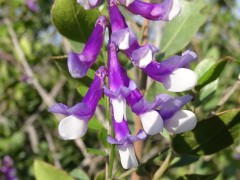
{"x":208,"y":91}
{"x":45,"y":171}
{"x":179,"y":32}
{"x":210,"y":135}
{"x":79,"y":174}
{"x":72,"y":21}
{"x":96,"y":152}
{"x":204,"y":66}
{"x":199,"y":176}
{"x":212,"y":73}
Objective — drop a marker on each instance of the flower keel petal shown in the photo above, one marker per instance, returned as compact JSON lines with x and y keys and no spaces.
{"x":72,"y":127}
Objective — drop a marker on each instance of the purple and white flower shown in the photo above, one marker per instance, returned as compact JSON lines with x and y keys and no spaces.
{"x":176,"y":120}
{"x":75,"y":124}
{"x":173,"y":72}
{"x":88,"y":4}
{"x":166,"y":11}
{"x":78,"y":64}
{"x":121,"y":35}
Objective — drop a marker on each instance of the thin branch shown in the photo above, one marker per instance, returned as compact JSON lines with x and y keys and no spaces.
{"x":47,"y":99}
{"x":163,"y":167}
{"x":52,"y":147}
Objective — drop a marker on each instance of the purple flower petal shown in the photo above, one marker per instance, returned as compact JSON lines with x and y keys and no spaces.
{"x":156,"y":70}
{"x":59,"y":108}
{"x":78,"y":64}
{"x":143,"y":55}
{"x":170,"y":107}
{"x":32,"y":4}
{"x":165,"y":11}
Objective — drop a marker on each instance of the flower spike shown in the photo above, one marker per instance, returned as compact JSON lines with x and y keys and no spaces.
{"x":166,"y":11}
{"x":126,"y":90}
{"x":88,"y":4}
{"x":78,"y":64}
{"x":117,"y":93}
{"x":75,"y":124}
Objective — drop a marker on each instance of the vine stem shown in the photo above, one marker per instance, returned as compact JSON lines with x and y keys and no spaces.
{"x":112,"y":147}
{"x":163,"y":167}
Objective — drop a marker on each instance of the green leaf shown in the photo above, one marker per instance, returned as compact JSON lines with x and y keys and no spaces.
{"x":204,"y":66}
{"x":179,"y":32}
{"x":72,"y":21}
{"x":45,"y":171}
{"x":100,"y":175}
{"x":210,"y":135}
{"x":208,"y":90}
{"x":79,"y":174}
{"x":95,"y":124}
{"x":103,"y":137}
{"x":76,"y":46}
{"x":96,"y":152}
{"x":199,"y":176}
{"x":212,"y":73}
{"x":183,"y":160}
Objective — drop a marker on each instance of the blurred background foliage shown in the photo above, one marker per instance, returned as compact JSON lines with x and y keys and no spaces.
{"x":31,"y":52}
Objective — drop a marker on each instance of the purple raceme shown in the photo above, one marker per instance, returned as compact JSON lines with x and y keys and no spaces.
{"x":78,"y":64}
{"x":7,"y":168}
{"x":88,"y":4}
{"x":164,"y":112}
{"x":166,"y":11}
{"x":75,"y":124}
{"x":117,"y":94}
{"x":172,"y":72}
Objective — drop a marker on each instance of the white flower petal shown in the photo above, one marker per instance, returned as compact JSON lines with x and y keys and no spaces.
{"x":124,"y":44}
{"x":72,"y":127}
{"x":145,"y":60}
{"x":152,"y":122}
{"x":84,"y":4}
{"x":175,"y":10}
{"x":119,"y":109}
{"x":132,"y":85}
{"x":182,"y":121}
{"x":128,"y":2}
{"x":181,"y":79}
{"x":127,"y":156}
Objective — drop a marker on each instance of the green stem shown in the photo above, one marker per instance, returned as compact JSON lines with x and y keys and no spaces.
{"x":163,"y":167}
